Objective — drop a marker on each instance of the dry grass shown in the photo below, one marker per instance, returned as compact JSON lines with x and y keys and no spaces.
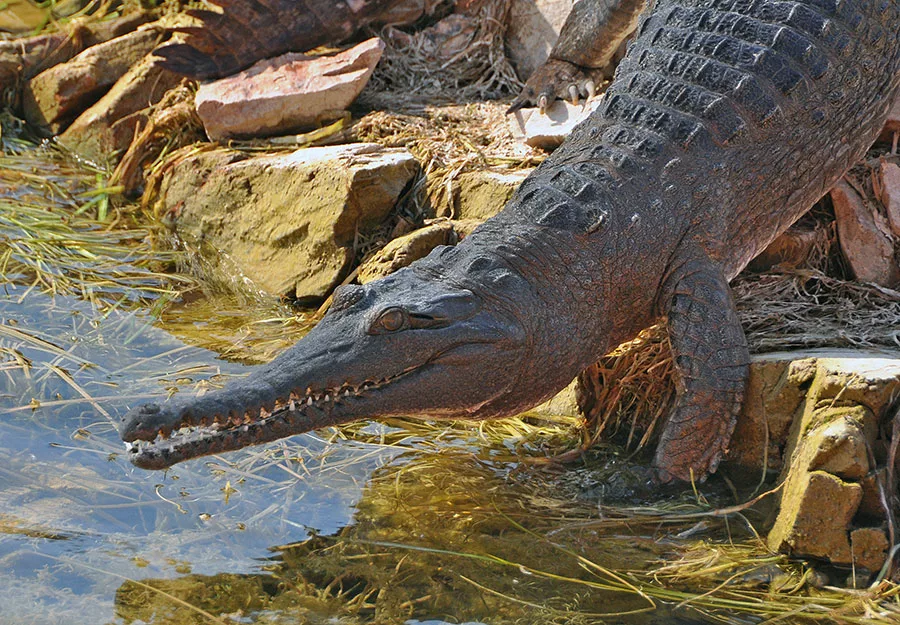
{"x":460,"y":59}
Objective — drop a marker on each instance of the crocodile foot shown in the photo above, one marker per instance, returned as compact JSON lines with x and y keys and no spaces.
{"x":557,"y":79}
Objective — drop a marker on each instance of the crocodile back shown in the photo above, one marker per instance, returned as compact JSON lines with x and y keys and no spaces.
{"x":725,"y":122}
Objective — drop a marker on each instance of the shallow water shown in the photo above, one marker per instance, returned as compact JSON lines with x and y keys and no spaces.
{"x":374,"y":523}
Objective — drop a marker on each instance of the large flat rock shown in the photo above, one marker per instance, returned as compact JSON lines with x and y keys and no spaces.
{"x":285,"y":94}
{"x":287,"y":223}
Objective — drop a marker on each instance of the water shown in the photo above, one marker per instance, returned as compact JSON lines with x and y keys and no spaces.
{"x":386,"y":523}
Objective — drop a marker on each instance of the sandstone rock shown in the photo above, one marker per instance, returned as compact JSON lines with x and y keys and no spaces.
{"x":890,"y":194}
{"x":828,"y":449}
{"x":481,"y":194}
{"x":791,"y":249}
{"x":775,"y":392}
{"x":549,"y":130}
{"x":790,"y":393}
{"x":816,"y":511}
{"x":287,"y":223}
{"x":874,"y":486}
{"x":109,"y":125}
{"x":869,"y":546}
{"x":53,"y":98}
{"x":403,"y":251}
{"x":285,"y":94}
{"x":865,"y":246}
{"x":22,"y":59}
{"x":533,"y":29}
{"x":448,"y":38}
{"x":564,"y":404}
{"x":839,"y":447}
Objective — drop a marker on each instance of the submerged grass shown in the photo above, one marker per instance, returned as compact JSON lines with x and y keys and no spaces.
{"x":64,"y":234}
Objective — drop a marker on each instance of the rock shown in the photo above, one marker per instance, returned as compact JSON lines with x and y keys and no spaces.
{"x":790,"y":250}
{"x":776,"y":389}
{"x":287,"y":223}
{"x":404,"y":250}
{"x":839,"y":447}
{"x":816,"y":510}
{"x":53,"y":98}
{"x":481,"y":194}
{"x":23,"y":59}
{"x":890,"y":194}
{"x":285,"y":94}
{"x":533,"y":29}
{"x":868,"y":250}
{"x":448,"y":38}
{"x":874,"y":486}
{"x":793,"y":392}
{"x":826,"y":454}
{"x":108,"y":126}
{"x":408,"y":248}
{"x":869,"y":546}
{"x":892,"y":123}
{"x":549,"y":130}
{"x":562,"y":405}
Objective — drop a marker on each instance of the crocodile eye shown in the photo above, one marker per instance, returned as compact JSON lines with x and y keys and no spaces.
{"x":392,"y":319}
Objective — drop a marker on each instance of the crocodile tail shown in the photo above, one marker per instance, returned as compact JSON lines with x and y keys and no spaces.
{"x":246,"y":31}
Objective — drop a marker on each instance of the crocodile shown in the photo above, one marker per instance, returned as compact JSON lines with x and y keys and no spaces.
{"x":726,"y":121}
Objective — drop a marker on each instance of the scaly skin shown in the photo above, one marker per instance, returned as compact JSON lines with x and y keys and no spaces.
{"x":587,"y":43}
{"x":726,"y":121}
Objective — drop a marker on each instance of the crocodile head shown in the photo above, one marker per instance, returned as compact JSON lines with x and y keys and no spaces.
{"x":416,"y":343}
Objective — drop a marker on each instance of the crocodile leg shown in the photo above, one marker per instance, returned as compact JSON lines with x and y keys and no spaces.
{"x":587,"y":43}
{"x":712,"y":362}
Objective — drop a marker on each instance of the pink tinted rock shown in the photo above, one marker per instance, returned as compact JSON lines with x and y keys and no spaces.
{"x":868,"y":250}
{"x":890,"y":194}
{"x":285,"y":94}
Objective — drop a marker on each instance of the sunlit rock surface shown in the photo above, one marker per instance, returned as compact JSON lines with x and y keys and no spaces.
{"x":22,"y":59}
{"x":818,"y":416}
{"x":57,"y":95}
{"x":482,"y":193}
{"x":549,"y":129}
{"x":288,"y":93}
{"x":108,"y":127}
{"x":287,"y":223}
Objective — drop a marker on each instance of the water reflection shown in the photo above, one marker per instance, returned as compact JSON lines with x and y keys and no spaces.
{"x":437,"y":538}
{"x":382,"y":523}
